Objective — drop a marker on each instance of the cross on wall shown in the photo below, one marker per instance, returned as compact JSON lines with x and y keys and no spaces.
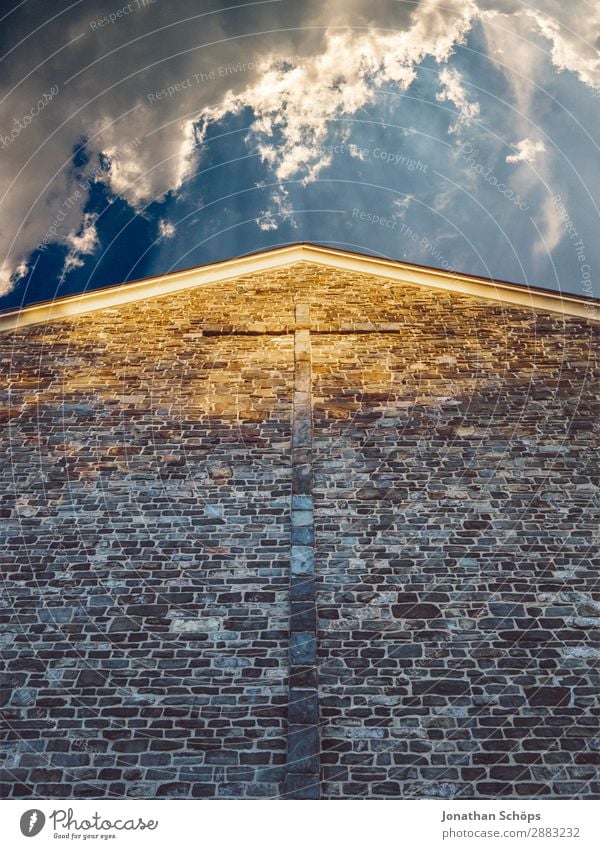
{"x":303,"y":754}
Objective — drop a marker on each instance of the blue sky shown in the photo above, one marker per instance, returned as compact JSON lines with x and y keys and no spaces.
{"x":138,"y":138}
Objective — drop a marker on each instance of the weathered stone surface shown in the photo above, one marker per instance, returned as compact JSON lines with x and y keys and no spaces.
{"x":24,"y":696}
{"x":303,"y":754}
{"x":201,"y":625}
{"x":302,"y":560}
{"x":150,"y":570}
{"x":436,"y":452}
{"x":549,"y":696}
{"x":91,"y":678}
{"x":303,"y":749}
{"x":303,"y":647}
{"x":150,"y":472}
{"x":303,"y":614}
{"x":303,"y":707}
{"x":302,"y":786}
{"x":416,"y":611}
{"x":220,"y":471}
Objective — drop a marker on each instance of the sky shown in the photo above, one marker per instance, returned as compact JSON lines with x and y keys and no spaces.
{"x":143,"y":137}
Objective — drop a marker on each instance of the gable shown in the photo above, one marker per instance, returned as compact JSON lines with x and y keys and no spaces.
{"x":346,"y":265}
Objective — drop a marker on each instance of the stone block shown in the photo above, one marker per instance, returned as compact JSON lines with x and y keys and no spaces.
{"x":302,"y":479}
{"x":302,"y":559}
{"x":191,"y":626}
{"x":416,"y":611}
{"x":441,"y":687}
{"x":124,"y":624}
{"x":303,"y":707}
{"x":302,"y":786}
{"x":91,"y":678}
{"x":303,"y":615}
{"x":302,"y":536}
{"x":303,"y":648}
{"x":548,"y":696}
{"x":302,"y":518}
{"x":302,"y":589}
{"x":302,"y":677}
{"x":303,"y":749}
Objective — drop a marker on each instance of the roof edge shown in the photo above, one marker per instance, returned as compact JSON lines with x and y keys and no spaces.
{"x":111,"y":296}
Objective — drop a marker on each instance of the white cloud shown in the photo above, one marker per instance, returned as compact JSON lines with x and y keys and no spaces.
{"x":567,"y":31}
{"x":136,"y":177}
{"x":81,"y":243}
{"x":325,"y":75}
{"x":553,"y":229}
{"x":401,"y":206}
{"x":166,"y":230}
{"x":295,"y":104}
{"x":527,"y":151}
{"x":453,"y":90}
{"x":527,"y":70}
{"x":10,"y":276}
{"x":266,"y":221}
{"x":512,"y":34}
{"x":357,"y":152}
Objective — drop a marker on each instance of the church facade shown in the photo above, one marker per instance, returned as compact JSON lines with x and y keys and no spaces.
{"x":305,"y":524}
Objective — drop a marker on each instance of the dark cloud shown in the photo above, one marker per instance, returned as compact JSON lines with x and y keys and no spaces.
{"x":140,"y":82}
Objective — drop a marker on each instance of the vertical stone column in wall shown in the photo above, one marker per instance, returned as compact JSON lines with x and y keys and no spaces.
{"x":302,"y":780}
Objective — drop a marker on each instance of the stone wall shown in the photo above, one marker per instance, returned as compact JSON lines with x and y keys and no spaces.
{"x":146,"y":493}
{"x":146,"y":528}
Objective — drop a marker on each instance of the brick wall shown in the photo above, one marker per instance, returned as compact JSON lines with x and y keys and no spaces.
{"x":146,"y":555}
{"x":146,"y":482}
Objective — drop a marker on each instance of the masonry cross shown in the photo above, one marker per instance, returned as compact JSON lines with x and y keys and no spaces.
{"x":303,"y":760}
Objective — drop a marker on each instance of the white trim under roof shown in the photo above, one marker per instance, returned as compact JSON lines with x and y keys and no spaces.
{"x":537,"y":300}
